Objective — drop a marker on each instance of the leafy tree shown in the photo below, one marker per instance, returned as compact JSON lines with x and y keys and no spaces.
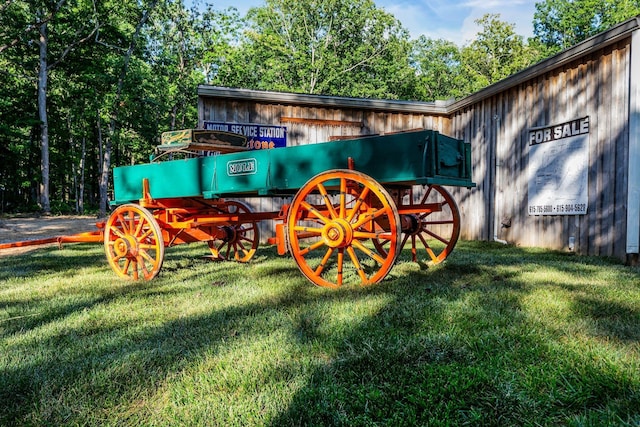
{"x":496,"y":53}
{"x":186,"y":48}
{"x":438,"y":65}
{"x":333,"y":47}
{"x":560,"y":24}
{"x":54,"y":30}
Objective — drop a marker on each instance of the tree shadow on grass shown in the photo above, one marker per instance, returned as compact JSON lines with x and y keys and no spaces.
{"x":465,"y":350}
{"x":454,"y":344}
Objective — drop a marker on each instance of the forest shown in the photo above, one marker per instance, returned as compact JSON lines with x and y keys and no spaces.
{"x":88,"y":85}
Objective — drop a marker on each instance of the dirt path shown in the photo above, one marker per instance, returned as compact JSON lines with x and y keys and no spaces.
{"x":32,"y":228}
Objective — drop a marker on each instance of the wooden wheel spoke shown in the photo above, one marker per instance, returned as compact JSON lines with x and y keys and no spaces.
{"x":432,"y":254}
{"x":311,"y":230}
{"x":368,"y":252}
{"x":239,"y":247}
{"x":435,"y":236}
{"x":443,"y":222}
{"x":313,"y":247}
{"x":246,"y":239}
{"x":120,"y":219}
{"x":366,"y":235}
{"x":144,"y":255}
{"x":134,"y":271}
{"x":315,"y":212}
{"x":356,"y":264}
{"x":323,"y":263}
{"x":339,"y":277}
{"x":147,"y":233}
{"x":426,"y":195}
{"x":125,"y":267}
{"x":404,"y":240}
{"x":147,"y":246}
{"x":118,"y":233}
{"x":370,"y":217}
{"x":359,"y":201}
{"x":143,"y":264}
{"x":131,"y":222}
{"x":139,"y":227}
{"x":117,"y":258}
{"x":343,"y":197}
{"x":327,"y":201}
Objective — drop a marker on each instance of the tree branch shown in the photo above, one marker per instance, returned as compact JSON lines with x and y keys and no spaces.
{"x":31,"y":27}
{"x":5,"y":5}
{"x":72,"y":45}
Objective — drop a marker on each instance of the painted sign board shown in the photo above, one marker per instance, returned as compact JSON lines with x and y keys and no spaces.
{"x":558,"y":168}
{"x":260,"y":137}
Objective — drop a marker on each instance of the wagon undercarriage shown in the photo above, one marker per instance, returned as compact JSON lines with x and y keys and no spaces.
{"x":342,"y":227}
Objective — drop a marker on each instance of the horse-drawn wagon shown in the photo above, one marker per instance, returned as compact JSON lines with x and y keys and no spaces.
{"x":349,"y":207}
{"x":353,"y":204}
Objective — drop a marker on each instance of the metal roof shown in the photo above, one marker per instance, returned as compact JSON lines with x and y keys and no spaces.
{"x":437,"y":107}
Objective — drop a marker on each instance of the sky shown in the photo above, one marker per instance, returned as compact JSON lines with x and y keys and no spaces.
{"x":451,"y":20}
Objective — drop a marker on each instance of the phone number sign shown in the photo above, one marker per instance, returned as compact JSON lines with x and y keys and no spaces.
{"x":558,"y":168}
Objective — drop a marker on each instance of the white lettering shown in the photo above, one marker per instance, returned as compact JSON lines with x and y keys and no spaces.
{"x":565,"y":130}
{"x":584,"y":125}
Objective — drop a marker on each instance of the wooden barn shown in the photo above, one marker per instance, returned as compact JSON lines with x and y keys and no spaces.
{"x":555,"y":147}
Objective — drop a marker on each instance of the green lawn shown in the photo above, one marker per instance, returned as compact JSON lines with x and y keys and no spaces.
{"x":498,"y":335}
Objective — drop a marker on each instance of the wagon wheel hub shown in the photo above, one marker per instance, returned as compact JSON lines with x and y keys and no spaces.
{"x":230,"y":234}
{"x":411,"y":224}
{"x":127,"y":245}
{"x":337,"y":233}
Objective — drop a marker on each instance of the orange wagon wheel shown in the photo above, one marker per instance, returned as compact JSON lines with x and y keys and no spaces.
{"x":241,"y":240}
{"x":329,"y":219}
{"x":133,"y":243}
{"x":437,"y":232}
{"x":434,"y":232}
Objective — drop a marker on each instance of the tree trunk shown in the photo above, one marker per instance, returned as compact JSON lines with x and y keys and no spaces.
{"x":106,"y":159}
{"x":44,"y":122}
{"x":174,"y":114}
{"x":83,"y":156}
{"x":104,"y":170}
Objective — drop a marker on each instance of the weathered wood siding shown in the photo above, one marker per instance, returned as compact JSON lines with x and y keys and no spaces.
{"x":597,"y":86}
{"x":372,"y":122}
{"x":591,"y":79}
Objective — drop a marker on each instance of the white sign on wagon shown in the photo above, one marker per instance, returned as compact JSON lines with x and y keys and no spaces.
{"x":558,"y":168}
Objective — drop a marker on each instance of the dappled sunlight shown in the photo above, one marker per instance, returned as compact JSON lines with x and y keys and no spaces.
{"x":492,"y":333}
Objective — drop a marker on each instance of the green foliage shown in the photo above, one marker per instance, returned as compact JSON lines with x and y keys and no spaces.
{"x":496,"y":53}
{"x":101,"y":92}
{"x":336,"y":47}
{"x":560,"y":24}
{"x":157,"y":94}
{"x":498,"y":335}
{"x":438,"y":65}
{"x":445,"y":70}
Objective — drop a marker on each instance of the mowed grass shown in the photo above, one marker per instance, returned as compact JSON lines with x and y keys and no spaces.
{"x":497,"y":335}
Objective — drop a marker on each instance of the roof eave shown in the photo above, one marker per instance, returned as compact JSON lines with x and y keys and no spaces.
{"x":436,"y":108}
{"x":599,"y":41}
